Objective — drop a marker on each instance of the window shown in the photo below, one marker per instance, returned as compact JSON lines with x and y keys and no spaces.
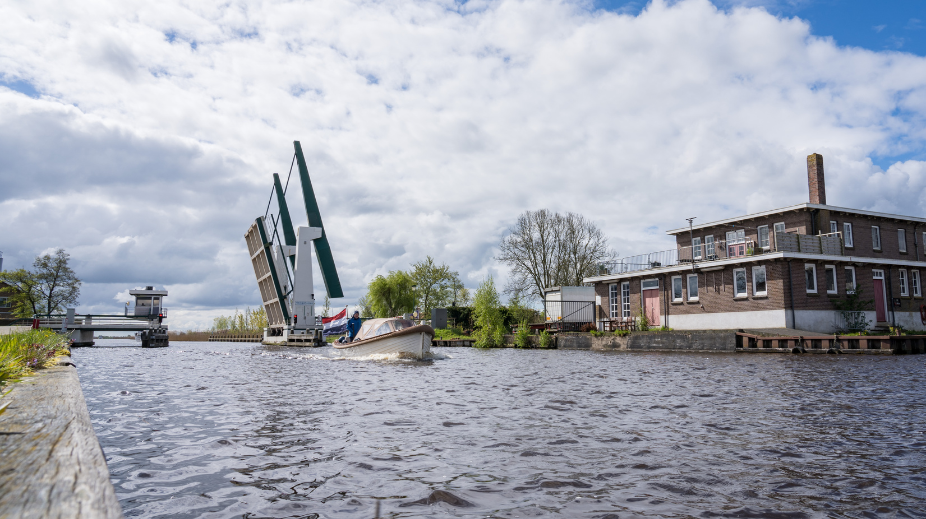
{"x":625,"y":300}
{"x":810,"y":275}
{"x":778,"y":228}
{"x":763,"y":236}
{"x":847,"y":234}
{"x":850,"y":280}
{"x":677,"y":288}
{"x":614,"y":302}
{"x":902,"y":240}
{"x":709,"y":245}
{"x":738,"y":236}
{"x":875,"y":237}
{"x":739,"y":283}
{"x":692,"y":287}
{"x":759,"y":286}
{"x":904,"y":287}
{"x":648,"y":284}
{"x":696,"y":247}
{"x":4,"y":302}
{"x":915,"y":278}
{"x":833,"y":227}
{"x":829,"y":272}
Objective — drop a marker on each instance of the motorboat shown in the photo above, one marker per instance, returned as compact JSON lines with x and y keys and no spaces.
{"x":389,"y":336}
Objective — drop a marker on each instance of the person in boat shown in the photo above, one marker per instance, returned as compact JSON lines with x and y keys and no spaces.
{"x":353,"y":326}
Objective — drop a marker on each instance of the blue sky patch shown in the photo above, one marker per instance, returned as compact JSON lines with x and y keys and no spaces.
{"x":21,"y":86}
{"x":886,"y":25}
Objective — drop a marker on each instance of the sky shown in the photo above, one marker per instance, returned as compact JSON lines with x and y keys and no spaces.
{"x":142,"y":138}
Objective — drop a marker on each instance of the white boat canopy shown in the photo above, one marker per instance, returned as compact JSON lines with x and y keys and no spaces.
{"x":377,"y":327}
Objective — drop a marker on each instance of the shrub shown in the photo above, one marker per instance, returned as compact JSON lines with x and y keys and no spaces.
{"x":644,"y":321}
{"x":596,"y":333}
{"x":522,"y":339}
{"x":546,"y":340}
{"x":588,"y":327}
{"x":489,"y":321}
{"x":622,"y":333}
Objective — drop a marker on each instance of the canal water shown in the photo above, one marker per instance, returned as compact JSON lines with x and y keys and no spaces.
{"x":243,"y":430}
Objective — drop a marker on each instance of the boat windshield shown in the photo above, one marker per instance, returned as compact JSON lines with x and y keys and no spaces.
{"x":382,"y":330}
{"x":401,"y":324}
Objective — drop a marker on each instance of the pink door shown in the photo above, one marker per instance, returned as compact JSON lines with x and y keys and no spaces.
{"x":880,"y":310}
{"x":651,"y":306}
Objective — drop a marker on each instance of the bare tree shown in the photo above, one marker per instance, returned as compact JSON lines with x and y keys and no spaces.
{"x":546,"y":249}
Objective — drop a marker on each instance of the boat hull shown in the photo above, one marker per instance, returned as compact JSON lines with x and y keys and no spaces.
{"x":410,"y":345}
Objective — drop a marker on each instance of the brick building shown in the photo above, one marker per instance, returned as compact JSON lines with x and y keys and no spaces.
{"x":779,"y":268}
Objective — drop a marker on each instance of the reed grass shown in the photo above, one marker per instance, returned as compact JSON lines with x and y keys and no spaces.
{"x":23,"y":352}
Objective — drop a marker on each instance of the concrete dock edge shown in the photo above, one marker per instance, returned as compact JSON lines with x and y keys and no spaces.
{"x":51,"y":463}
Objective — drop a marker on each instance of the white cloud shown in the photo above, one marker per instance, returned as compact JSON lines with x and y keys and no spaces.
{"x":428,"y":127}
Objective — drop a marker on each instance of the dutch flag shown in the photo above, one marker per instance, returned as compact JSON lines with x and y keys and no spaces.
{"x":335,"y":325}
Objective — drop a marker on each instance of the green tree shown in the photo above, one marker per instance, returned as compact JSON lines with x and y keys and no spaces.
{"x":392,"y":295}
{"x":434,"y":283}
{"x":22,"y":292}
{"x":366,"y":309}
{"x":326,"y":310}
{"x":489,"y":319}
{"x":50,"y":287}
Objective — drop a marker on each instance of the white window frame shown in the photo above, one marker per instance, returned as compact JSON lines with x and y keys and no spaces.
{"x":681,"y":289}
{"x":696,"y":248}
{"x":904,"y":283}
{"x":763,"y":246}
{"x":709,"y":250}
{"x":625,"y":299}
{"x":875,"y":237}
{"x":902,"y":240}
{"x":755,"y":285}
{"x":689,"y":285}
{"x":614,"y":302}
{"x":834,"y":227}
{"x":847,"y":239}
{"x":776,"y":228}
{"x":811,"y":267}
{"x":915,"y":281}
{"x":850,"y":287}
{"x":827,"y":269}
{"x":745,"y":292}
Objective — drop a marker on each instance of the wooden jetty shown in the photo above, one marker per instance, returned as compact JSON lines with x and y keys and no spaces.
{"x":854,"y":344}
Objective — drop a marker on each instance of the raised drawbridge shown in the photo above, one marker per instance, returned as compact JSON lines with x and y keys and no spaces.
{"x":282,"y":259}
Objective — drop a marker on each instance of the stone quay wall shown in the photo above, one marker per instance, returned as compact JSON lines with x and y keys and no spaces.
{"x":51,"y":463}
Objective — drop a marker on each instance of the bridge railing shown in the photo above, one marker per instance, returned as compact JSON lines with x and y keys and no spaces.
{"x":56,"y":321}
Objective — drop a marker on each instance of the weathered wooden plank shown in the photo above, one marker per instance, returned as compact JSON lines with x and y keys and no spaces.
{"x":51,"y":463}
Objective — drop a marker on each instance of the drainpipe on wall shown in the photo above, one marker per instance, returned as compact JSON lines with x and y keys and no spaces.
{"x":665,"y":298}
{"x":915,"y":248}
{"x":890,"y":295}
{"x":791,"y":293}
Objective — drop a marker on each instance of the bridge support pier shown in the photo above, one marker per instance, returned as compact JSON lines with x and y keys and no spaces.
{"x":82,"y":338}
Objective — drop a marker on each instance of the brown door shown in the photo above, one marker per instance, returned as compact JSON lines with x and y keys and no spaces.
{"x":651,"y":306}
{"x":880,"y":306}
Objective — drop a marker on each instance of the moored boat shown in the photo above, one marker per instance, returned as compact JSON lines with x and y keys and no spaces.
{"x":389,"y":336}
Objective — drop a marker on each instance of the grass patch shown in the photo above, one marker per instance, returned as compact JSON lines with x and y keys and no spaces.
{"x":446,"y":334}
{"x":23,"y":352}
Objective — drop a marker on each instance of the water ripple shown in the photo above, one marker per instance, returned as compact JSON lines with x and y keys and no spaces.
{"x":241,"y":430}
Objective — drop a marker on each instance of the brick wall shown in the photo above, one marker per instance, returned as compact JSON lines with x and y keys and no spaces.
{"x":716,"y":295}
{"x":890,"y":248}
{"x":795,"y":221}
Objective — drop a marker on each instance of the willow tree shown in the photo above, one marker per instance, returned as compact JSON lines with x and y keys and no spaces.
{"x":392,"y":295}
{"x":546,"y":249}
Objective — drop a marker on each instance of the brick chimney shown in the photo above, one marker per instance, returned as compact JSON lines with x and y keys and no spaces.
{"x":815,"y":179}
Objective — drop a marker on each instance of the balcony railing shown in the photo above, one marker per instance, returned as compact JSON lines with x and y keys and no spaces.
{"x":829,"y":244}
